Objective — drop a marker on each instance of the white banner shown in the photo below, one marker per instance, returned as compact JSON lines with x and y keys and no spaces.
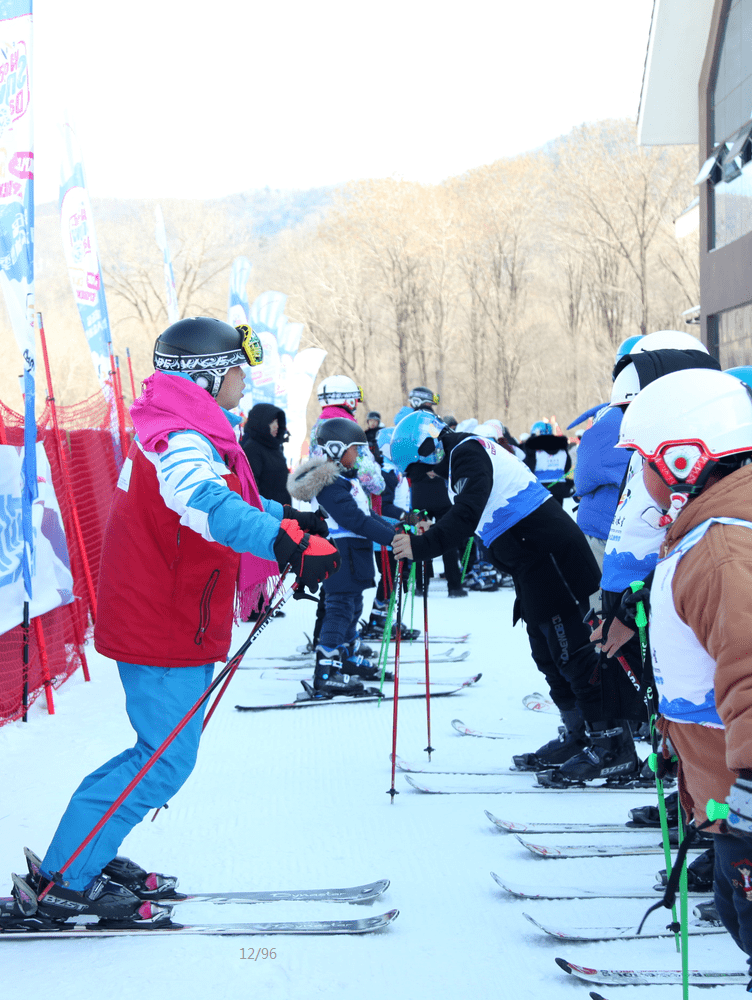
{"x":52,"y":583}
{"x":300,"y":378}
{"x":173,"y":312}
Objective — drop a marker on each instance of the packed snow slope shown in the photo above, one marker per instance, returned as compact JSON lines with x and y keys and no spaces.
{"x":299,"y":799}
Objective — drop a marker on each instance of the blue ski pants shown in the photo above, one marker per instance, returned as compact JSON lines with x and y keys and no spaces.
{"x":156,"y":699}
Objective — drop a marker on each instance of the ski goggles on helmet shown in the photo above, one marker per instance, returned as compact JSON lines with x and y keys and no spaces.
{"x":250,"y":345}
{"x":420,"y":396}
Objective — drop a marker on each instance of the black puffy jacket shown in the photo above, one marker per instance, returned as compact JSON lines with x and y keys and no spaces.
{"x":264,"y":452}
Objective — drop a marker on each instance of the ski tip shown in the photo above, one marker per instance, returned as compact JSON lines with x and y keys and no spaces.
{"x":596,"y":996}
{"x":564,"y":964}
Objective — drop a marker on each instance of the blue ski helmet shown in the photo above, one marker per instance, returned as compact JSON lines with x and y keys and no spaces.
{"x":542,"y":427}
{"x":402,"y":412}
{"x":625,"y":347}
{"x":743,"y":373}
{"x":416,"y":439}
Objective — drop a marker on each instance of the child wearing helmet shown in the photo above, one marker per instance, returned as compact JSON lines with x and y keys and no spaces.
{"x":329,"y":482}
{"x":187,"y":530}
{"x":547,"y":456}
{"x":497,"y":497}
{"x":339,"y":396}
{"x":693,"y":431}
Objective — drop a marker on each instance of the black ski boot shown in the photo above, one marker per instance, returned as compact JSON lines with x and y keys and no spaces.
{"x":699,"y":873}
{"x":709,"y":912}
{"x":650,"y":816}
{"x":359,"y":648}
{"x":329,"y":679}
{"x":115,"y":905}
{"x":374,"y":627}
{"x":359,"y":666}
{"x":556,"y":752}
{"x":145,"y":885}
{"x":123,"y":871}
{"x":610,"y":754}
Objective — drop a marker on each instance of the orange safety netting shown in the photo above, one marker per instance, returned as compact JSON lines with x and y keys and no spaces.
{"x":92,"y":456}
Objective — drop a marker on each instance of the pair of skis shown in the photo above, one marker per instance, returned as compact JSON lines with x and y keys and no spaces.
{"x":307,"y":697}
{"x":368,"y":893}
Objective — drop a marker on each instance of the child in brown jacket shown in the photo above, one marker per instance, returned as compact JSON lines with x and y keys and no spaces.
{"x":694,"y":431}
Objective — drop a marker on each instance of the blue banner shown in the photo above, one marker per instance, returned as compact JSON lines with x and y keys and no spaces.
{"x":82,"y":257}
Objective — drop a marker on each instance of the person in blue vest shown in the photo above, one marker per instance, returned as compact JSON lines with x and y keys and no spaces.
{"x":547,"y":456}
{"x":497,"y":497}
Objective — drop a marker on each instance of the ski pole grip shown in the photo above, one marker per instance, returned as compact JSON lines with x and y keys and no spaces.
{"x":641,"y":619}
{"x":717,"y":810}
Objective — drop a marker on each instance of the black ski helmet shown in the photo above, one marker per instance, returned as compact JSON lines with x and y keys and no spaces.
{"x":205,"y":348}
{"x":421,"y":398}
{"x":335,"y":435}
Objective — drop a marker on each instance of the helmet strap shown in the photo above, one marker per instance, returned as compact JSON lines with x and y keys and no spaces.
{"x":677,"y":503}
{"x":209,"y":380}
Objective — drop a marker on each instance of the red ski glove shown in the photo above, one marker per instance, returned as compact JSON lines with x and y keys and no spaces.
{"x":311,"y":558}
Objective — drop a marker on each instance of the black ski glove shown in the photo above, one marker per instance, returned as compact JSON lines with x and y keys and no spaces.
{"x":311,"y":558}
{"x":627,"y":609}
{"x":314,"y":522}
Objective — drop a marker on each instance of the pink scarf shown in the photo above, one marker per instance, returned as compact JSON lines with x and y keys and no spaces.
{"x":169,"y":404}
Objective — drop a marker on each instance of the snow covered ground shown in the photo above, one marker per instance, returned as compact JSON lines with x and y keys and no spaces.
{"x":298,"y":799}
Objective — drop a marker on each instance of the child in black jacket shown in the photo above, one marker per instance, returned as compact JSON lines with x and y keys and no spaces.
{"x":329,"y":482}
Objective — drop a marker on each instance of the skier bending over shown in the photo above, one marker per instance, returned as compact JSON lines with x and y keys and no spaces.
{"x":694,"y":432}
{"x":530,"y":537}
{"x":187,"y":528}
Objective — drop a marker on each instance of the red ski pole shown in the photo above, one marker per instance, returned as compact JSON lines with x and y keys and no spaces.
{"x":398,"y":583}
{"x":226,"y":672}
{"x":429,"y":748}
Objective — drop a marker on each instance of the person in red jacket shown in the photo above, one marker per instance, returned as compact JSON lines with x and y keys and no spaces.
{"x":188,"y":541}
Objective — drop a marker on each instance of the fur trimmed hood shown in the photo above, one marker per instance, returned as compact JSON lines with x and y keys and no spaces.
{"x":310,"y":478}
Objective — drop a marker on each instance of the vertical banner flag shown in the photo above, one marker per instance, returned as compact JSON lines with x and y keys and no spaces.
{"x":173,"y":313}
{"x":51,"y":576}
{"x":288,"y":341}
{"x":302,"y":373}
{"x":237,"y":307}
{"x":265,"y":316}
{"x":17,"y":232}
{"x":81,"y":255}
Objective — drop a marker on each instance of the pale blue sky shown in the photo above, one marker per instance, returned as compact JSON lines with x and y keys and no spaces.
{"x":189,"y":99}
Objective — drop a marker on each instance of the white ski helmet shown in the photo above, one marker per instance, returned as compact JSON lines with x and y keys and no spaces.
{"x":626,"y":386}
{"x":668,"y":340}
{"x":340,"y":389}
{"x":485,"y":430}
{"x":687,"y":422}
{"x":467,"y":426}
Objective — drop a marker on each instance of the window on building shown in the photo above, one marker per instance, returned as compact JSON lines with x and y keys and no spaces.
{"x":733,"y":328}
{"x":731,"y":111}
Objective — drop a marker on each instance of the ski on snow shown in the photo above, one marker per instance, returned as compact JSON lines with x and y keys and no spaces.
{"x":304,"y":654}
{"x":354,"y":894}
{"x":436,"y":682}
{"x":538,"y":702}
{"x":508,"y":826}
{"x":463,"y":730}
{"x":606,"y":933}
{"x":370,"y":694}
{"x":577,"y":892}
{"x":440,"y":768}
{"x":448,"y":787}
{"x":91,"y":930}
{"x":592,"y":851}
{"x":657,"y":977}
{"x":307,"y":661}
